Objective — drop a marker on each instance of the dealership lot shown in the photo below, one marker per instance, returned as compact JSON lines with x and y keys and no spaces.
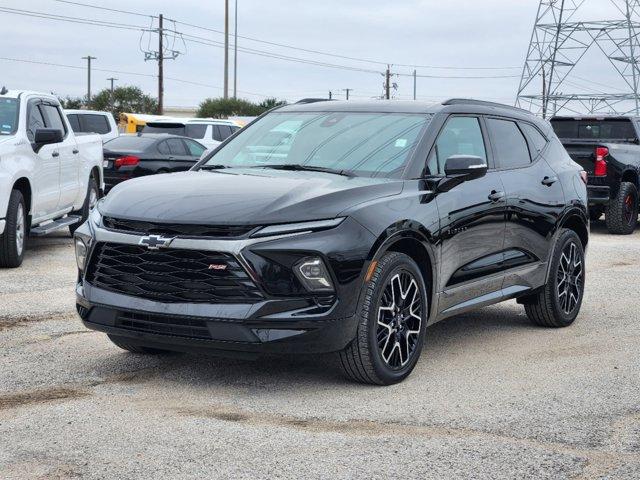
{"x":491,"y":396}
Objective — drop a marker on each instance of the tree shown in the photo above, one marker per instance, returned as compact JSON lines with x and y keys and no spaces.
{"x":71,"y":103}
{"x":125,"y":99}
{"x":231,"y":107}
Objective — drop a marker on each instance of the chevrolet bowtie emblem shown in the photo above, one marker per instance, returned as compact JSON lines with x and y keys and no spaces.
{"x":155,"y":242}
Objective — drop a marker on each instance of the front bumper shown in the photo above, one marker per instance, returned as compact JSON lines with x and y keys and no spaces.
{"x":277,"y":323}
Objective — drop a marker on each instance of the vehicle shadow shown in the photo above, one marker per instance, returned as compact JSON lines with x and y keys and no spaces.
{"x":465,"y":332}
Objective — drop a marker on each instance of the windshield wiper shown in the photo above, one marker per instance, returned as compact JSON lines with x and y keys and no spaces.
{"x":213,"y":167}
{"x":306,"y":168}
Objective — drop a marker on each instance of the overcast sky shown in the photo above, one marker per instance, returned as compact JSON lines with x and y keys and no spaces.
{"x":460,"y":33}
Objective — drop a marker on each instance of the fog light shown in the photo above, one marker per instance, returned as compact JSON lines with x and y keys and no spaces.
{"x":81,"y":253}
{"x":314,"y":275}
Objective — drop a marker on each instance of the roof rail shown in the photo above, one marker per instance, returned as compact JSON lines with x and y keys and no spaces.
{"x":313,"y":100}
{"x":471,"y":101}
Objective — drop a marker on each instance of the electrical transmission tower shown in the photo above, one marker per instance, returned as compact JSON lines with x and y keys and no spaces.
{"x":560,"y":41}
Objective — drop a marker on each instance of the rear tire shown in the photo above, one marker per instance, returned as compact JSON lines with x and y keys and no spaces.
{"x":137,"y":349}
{"x":93,"y":195}
{"x":393,"y":320}
{"x":622,"y":211}
{"x":14,"y":239}
{"x":558,"y":303}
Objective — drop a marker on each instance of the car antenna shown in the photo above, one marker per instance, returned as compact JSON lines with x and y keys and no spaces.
{"x":4,"y":91}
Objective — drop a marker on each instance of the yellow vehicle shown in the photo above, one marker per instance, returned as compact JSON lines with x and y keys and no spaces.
{"x":135,"y":122}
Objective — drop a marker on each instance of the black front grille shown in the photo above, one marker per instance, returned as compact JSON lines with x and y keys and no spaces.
{"x":163,"y":324}
{"x":171,"y":275}
{"x":174,"y":229}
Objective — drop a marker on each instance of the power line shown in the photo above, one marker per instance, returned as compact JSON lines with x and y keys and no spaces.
{"x":64,"y":18}
{"x":106,"y":8}
{"x":307,"y":50}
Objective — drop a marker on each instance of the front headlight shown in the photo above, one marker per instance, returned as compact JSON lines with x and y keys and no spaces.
{"x":81,"y":253}
{"x":313,"y":274}
{"x":284,"y":229}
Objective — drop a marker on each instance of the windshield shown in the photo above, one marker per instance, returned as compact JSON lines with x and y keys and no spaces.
{"x":129,"y":143}
{"x":8,"y":115}
{"x":364,"y":144}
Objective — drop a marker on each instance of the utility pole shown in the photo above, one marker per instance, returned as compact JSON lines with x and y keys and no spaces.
{"x":160,"y":65}
{"x":112,"y":80}
{"x":415,"y":76}
{"x":330,"y":95}
{"x":347,"y":90}
{"x":387,"y":83}
{"x":88,"y":58}
{"x":235,"y":52}
{"x":226,"y":49}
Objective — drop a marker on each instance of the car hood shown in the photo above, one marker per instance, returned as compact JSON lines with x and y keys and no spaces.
{"x":235,"y":197}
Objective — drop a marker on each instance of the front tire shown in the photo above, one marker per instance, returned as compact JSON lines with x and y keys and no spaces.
{"x":14,"y":239}
{"x":93,"y":195}
{"x":393,"y":319}
{"x":558,"y":303}
{"x":622,"y":211}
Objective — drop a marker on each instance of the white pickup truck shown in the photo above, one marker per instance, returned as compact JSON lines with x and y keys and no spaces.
{"x":50,"y":178}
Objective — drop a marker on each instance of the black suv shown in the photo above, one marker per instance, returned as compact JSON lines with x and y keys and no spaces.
{"x":341,"y":227}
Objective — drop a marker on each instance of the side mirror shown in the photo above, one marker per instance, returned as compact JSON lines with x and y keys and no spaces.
{"x":461,"y":168}
{"x":46,"y":136}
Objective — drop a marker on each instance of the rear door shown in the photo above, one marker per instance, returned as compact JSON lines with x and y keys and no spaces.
{"x":471,"y":220}
{"x":47,"y":170}
{"x":68,"y":156}
{"x":534,"y":196}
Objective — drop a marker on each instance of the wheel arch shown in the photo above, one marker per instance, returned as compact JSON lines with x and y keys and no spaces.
{"x":577,"y":221}
{"x":631,"y":175}
{"x":24,"y":186}
{"x":96,"y":174}
{"x":414,"y":242}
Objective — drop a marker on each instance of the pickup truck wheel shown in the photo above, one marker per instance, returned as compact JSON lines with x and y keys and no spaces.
{"x":14,"y":238}
{"x":393,"y":320}
{"x":622,"y":211}
{"x":93,"y":194}
{"x":139,"y":349}
{"x":558,"y":303}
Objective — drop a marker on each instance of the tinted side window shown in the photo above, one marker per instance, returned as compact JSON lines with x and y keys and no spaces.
{"x":195,"y":131}
{"x":195,"y":149}
{"x":216,"y":134}
{"x":95,"y":124}
{"x":35,"y":121}
{"x":460,"y":136}
{"x":225,"y":131}
{"x":53,"y":118}
{"x":163,"y":148}
{"x":176,"y":147}
{"x":75,"y":122}
{"x":537,"y":140}
{"x":510,"y":145}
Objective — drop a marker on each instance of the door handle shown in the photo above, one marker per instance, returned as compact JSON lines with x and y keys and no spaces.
{"x":55,"y":154}
{"x":496,"y":196}
{"x":548,"y":181}
{"x":76,"y":151}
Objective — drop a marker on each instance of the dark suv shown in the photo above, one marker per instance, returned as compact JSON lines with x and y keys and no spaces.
{"x":341,"y":227}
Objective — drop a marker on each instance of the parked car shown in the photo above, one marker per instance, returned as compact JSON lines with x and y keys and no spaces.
{"x":92,"y":121}
{"x":49,"y":178}
{"x":382,"y":218}
{"x":130,"y":156}
{"x":208,"y":131}
{"x":609,"y":150}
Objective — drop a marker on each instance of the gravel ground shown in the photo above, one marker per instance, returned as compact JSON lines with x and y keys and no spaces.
{"x":492,"y":396}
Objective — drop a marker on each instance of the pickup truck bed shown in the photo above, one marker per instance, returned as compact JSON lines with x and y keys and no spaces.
{"x":607,"y":148}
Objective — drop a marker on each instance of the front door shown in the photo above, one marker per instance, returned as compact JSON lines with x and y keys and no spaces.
{"x":46,"y":178}
{"x":471,"y":221}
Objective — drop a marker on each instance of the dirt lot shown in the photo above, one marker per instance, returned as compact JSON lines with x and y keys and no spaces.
{"x":492,"y":396}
